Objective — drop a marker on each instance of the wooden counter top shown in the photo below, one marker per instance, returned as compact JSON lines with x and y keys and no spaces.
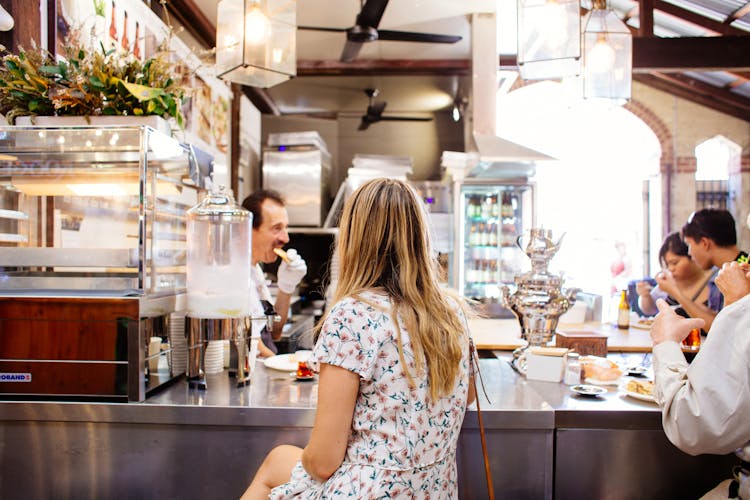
{"x":505,"y":335}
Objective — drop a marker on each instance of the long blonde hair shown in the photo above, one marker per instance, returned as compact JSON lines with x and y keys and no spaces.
{"x":384,"y":243}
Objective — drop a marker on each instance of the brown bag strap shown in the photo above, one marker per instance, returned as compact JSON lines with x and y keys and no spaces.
{"x":474,"y":369}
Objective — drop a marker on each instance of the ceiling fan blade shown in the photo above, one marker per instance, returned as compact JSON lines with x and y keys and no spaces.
{"x":320,"y":28}
{"x":364,"y":124}
{"x":351,"y":49}
{"x":376,"y":108}
{"x":410,"y":36}
{"x":371,"y":13}
{"x":405,"y":119}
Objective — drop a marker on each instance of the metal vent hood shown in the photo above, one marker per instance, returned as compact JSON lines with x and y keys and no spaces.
{"x":497,"y":157}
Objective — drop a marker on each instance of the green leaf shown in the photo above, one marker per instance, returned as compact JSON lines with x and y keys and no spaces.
{"x":109,"y":111}
{"x":137,"y":111}
{"x":96,"y":82}
{"x":141,"y":92}
{"x":11,"y":65}
{"x":51,"y":70}
{"x":34,"y":104}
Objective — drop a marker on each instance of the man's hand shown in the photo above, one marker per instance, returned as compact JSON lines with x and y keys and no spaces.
{"x":668,"y":325}
{"x":291,"y":273}
{"x":643,"y":288}
{"x":733,"y":281}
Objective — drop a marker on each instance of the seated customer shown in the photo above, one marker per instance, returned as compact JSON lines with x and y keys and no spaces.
{"x":706,"y":405}
{"x":394,"y":366}
{"x":681,"y":283}
{"x":712,"y":241}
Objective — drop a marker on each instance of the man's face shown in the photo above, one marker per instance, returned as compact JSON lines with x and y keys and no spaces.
{"x":699,"y":251}
{"x":272,"y":233}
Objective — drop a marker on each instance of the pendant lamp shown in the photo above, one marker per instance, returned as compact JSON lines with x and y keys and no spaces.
{"x":607,"y":55}
{"x":549,"y":38}
{"x":256,"y":41}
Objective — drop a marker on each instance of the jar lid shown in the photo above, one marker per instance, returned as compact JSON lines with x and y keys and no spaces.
{"x":573,"y":355}
{"x":219,"y":203}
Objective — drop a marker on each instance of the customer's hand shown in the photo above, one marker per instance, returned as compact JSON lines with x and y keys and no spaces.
{"x":667,"y":283}
{"x":643,"y":288}
{"x":668,"y":325}
{"x":733,"y":281}
{"x":291,"y":273}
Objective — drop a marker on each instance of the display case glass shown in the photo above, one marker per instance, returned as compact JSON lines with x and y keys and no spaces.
{"x":100,"y":210}
{"x":491,"y":217}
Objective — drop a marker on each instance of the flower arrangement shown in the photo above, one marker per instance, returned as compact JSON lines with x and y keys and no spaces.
{"x":88,"y":83}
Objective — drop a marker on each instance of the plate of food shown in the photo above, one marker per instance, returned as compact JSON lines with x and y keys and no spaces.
{"x":286,"y":362}
{"x":636,"y":371}
{"x":600,"y":371}
{"x":588,"y":390}
{"x":639,"y":389}
{"x":643,"y":323}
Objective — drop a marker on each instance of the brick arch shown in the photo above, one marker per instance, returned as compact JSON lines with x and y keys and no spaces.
{"x":657,"y":125}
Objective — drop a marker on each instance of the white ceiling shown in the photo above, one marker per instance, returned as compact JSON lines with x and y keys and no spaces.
{"x":345,"y":94}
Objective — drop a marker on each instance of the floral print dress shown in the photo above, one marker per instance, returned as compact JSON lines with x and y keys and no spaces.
{"x":402,"y":444}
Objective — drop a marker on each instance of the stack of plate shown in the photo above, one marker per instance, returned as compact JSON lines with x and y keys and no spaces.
{"x":177,"y":342}
{"x":213,"y":358}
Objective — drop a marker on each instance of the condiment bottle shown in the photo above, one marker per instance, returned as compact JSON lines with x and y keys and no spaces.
{"x":623,"y":312}
{"x":572,"y":369}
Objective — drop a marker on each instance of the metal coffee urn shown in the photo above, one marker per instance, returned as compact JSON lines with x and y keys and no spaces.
{"x":539,"y":300}
{"x":218,"y":282}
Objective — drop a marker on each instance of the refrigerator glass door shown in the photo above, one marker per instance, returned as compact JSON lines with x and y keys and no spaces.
{"x":492,"y":216}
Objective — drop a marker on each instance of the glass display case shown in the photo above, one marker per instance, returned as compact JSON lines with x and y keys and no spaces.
{"x":92,"y":257}
{"x":491,"y":215}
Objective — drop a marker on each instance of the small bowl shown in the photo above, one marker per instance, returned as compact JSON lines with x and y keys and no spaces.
{"x":637,"y":371}
{"x":588,"y":390}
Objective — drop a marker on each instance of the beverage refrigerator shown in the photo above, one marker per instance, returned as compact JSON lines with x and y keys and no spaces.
{"x":490,"y":215}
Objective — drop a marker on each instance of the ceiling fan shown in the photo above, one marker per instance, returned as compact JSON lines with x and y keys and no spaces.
{"x":375,"y":110}
{"x":366,"y":30}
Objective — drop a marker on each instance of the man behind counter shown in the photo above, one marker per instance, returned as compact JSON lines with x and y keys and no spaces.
{"x":270,"y":224}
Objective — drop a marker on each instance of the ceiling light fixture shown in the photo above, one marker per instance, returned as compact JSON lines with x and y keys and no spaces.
{"x":262,"y":50}
{"x":607,"y":55}
{"x":549,"y":38}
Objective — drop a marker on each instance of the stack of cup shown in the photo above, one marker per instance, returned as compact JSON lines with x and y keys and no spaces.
{"x":213,"y":358}
{"x":178,"y":343}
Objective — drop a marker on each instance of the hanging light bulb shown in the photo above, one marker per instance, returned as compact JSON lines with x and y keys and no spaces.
{"x":455,"y":114}
{"x":601,"y":57}
{"x":257,"y":25}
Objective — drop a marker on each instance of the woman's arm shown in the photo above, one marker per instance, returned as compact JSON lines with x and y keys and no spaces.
{"x":337,"y":394}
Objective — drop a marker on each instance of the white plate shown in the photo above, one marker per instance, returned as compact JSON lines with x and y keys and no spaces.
{"x":282,"y":362}
{"x":596,"y":381}
{"x":642,"y":326}
{"x":588,"y":390}
{"x":636,"y":395}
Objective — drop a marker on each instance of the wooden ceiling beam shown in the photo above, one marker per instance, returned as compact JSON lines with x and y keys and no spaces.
{"x":740,"y":12}
{"x":390,"y":67}
{"x":691,"y":53}
{"x":698,"y":92}
{"x":646,"y":18}
{"x":649,"y":54}
{"x":192,"y":19}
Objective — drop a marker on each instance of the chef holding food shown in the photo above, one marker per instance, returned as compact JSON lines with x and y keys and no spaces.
{"x":270,"y":224}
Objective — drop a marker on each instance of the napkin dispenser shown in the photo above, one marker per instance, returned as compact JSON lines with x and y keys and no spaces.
{"x":583,"y":342}
{"x":545,"y":363}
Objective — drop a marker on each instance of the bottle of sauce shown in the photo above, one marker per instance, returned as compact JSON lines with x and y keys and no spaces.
{"x":623,"y":311}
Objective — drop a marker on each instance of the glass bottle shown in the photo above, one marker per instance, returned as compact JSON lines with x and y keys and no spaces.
{"x":623,"y":311}
{"x":572,"y":369}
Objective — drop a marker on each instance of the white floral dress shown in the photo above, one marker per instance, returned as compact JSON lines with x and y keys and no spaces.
{"x":402,"y":444}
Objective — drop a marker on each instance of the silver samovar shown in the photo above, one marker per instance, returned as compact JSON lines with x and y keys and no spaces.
{"x":539,"y":300}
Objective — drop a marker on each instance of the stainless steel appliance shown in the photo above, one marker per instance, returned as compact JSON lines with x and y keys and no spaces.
{"x":489,"y":215}
{"x":299,"y":167}
{"x":92,"y":256}
{"x":538,"y":299}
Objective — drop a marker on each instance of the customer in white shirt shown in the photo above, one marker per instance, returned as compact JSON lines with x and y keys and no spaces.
{"x":706,"y":405}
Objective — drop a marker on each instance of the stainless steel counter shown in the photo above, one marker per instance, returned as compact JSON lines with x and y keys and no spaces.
{"x":544,"y":442}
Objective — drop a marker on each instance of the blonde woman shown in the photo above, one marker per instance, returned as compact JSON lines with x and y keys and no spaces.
{"x":393,"y":356}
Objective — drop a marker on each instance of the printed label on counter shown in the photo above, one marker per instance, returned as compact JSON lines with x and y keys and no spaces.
{"x":15,"y":377}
